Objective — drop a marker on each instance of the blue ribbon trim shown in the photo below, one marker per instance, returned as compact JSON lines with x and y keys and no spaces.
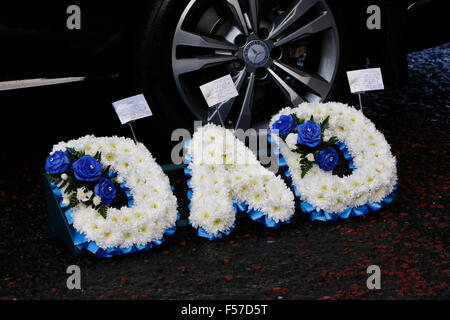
{"x":186,"y":144}
{"x":360,"y":211}
{"x":264,"y":219}
{"x":346,"y":154}
{"x":187,"y":157}
{"x":322,"y":215}
{"x":255,"y":215}
{"x":80,"y":241}
{"x":203,"y":233}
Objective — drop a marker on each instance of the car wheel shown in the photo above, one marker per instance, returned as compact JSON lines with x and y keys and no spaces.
{"x":278,"y":53}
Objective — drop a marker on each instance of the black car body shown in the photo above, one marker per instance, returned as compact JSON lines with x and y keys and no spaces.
{"x":120,"y":39}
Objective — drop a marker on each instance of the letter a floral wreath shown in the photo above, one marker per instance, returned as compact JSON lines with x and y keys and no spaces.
{"x":114,"y":194}
{"x":309,"y":138}
{"x":226,"y":178}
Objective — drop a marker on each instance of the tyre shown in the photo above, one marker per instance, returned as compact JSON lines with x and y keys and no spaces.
{"x":278,"y":53}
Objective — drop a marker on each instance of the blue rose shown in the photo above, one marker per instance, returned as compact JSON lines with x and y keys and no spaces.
{"x":87,"y":169}
{"x":57,"y":162}
{"x":105,"y":190}
{"x":309,"y":134}
{"x":284,"y":125}
{"x":327,"y":159}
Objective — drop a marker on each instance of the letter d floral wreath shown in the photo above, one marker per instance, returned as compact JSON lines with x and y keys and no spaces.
{"x":309,"y":136}
{"x":115,"y":195}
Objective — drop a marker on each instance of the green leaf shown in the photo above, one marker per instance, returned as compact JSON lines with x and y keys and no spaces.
{"x":106,"y":171}
{"x":98,"y":156}
{"x":304,"y":161}
{"x":75,"y":155}
{"x":103,"y":210}
{"x":325,"y":124}
{"x":72,"y":154}
{"x":90,"y":202}
{"x":71,"y":186}
{"x":333,"y":140}
{"x":73,"y":201}
{"x":330,"y":143}
{"x":296,"y":119}
{"x":305,"y":168}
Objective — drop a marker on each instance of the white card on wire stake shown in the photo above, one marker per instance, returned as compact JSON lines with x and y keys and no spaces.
{"x":365,"y":80}
{"x":132,"y":108}
{"x":219,"y":90}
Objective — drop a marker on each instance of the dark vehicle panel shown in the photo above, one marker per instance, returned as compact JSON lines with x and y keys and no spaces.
{"x":35,"y":40}
{"x":149,"y":45}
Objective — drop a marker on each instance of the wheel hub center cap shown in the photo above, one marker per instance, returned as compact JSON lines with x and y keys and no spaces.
{"x":256,"y":53}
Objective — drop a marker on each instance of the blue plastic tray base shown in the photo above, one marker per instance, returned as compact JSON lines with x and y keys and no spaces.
{"x":58,"y":227}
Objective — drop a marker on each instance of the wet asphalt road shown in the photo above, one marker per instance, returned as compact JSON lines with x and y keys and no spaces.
{"x":305,"y":260}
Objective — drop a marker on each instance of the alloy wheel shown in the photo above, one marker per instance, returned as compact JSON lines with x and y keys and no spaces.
{"x":278,"y":53}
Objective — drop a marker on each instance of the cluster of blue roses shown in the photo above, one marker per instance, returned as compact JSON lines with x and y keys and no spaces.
{"x":307,"y":138}
{"x":76,"y":171}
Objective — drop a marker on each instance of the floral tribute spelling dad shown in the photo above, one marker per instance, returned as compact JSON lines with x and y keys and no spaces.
{"x":118,"y":199}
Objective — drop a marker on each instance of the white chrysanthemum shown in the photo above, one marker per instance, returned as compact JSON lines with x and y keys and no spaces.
{"x":97,"y":200}
{"x":375,"y":175}
{"x":239,"y":175}
{"x":326,"y":135}
{"x":120,"y":179}
{"x":83,"y":195}
{"x":214,"y":213}
{"x":310,"y":157}
{"x":291,"y":140}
